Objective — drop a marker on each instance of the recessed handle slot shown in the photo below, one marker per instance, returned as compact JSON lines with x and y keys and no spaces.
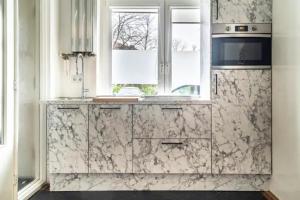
{"x":70,"y":108}
{"x":110,"y":108}
{"x":172,"y":143}
{"x":171,"y":108}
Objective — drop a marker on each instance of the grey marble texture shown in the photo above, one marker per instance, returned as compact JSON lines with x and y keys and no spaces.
{"x":67,"y":129}
{"x":175,"y":182}
{"x":110,"y":139}
{"x":242,"y":11}
{"x":169,"y":156}
{"x":167,"y":121}
{"x":241,"y":131}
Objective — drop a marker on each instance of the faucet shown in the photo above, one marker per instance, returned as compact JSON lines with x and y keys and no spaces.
{"x":83,"y":90}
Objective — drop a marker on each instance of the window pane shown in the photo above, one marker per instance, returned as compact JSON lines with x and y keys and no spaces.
{"x":186,"y":51}
{"x":135,"y":51}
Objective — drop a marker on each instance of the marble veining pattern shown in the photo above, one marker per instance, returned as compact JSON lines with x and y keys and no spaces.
{"x":165,"y":121}
{"x":175,"y":182}
{"x":110,"y":139}
{"x":67,"y":127}
{"x":166,"y":156}
{"x":242,"y":11}
{"x":241,"y":131}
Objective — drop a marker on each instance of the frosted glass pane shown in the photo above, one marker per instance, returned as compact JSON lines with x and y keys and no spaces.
{"x":134,"y":67}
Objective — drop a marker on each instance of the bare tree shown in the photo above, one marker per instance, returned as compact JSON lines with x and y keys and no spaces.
{"x":134,"y":31}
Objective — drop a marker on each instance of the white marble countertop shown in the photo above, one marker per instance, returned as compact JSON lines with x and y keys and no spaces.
{"x":151,"y":100}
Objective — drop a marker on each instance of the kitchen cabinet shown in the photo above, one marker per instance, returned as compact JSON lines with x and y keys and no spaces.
{"x":241,"y":115}
{"x":110,"y":139}
{"x":242,"y":11}
{"x":169,"y":156}
{"x":172,"y":121}
{"x":67,"y":127}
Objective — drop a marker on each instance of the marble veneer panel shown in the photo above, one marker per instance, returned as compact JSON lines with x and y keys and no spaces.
{"x":242,"y":11}
{"x":110,"y":139}
{"x":171,"y":156}
{"x":130,"y":182}
{"x":172,"y":121}
{"x":67,"y":138}
{"x":241,"y":131}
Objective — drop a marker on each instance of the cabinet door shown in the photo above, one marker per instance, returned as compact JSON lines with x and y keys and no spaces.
{"x":172,"y":121}
{"x":242,"y":11}
{"x":165,"y":156}
{"x":241,"y":113}
{"x":110,"y":139}
{"x":67,"y":127}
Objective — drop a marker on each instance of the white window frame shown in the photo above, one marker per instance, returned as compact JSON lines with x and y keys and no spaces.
{"x":104,"y":85}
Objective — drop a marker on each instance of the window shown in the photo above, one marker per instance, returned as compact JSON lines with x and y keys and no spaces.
{"x":135,"y":51}
{"x":155,"y":48}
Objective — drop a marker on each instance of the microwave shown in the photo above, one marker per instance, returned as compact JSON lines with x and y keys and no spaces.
{"x":242,"y":46}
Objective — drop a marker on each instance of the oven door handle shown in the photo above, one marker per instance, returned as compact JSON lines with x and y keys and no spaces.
{"x":242,"y":35}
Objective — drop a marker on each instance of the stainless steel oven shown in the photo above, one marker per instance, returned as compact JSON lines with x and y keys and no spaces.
{"x":242,"y":46}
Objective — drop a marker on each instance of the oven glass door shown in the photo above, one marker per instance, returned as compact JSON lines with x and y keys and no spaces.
{"x":240,"y":51}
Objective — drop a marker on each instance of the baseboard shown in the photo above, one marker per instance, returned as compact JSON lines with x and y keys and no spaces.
{"x":270,"y":196}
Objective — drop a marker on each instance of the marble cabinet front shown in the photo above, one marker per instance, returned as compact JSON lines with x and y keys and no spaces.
{"x":67,"y":127}
{"x":110,"y":139}
{"x":172,"y":121}
{"x":242,"y":11}
{"x":241,"y":114}
{"x":172,"y":156}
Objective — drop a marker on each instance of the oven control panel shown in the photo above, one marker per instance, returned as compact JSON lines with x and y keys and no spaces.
{"x":242,"y":28}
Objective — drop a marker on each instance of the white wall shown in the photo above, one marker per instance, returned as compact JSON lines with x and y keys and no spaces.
{"x":61,"y":82}
{"x":7,"y":151}
{"x":28,"y":86}
{"x":286,"y":100}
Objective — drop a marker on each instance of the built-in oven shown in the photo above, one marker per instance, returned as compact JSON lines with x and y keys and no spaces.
{"x":242,"y":46}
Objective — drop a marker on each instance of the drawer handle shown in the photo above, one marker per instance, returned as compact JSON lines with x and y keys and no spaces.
{"x":172,"y":143}
{"x":110,"y":108}
{"x":74,"y":108}
{"x":172,"y":108}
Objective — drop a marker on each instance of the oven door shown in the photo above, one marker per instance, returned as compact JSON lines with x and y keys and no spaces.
{"x":241,"y":51}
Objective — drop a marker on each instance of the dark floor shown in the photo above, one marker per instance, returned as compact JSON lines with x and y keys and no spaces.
{"x":45,"y":195}
{"x":22,"y":182}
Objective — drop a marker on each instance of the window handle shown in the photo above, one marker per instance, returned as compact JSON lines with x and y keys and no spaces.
{"x":216,"y":84}
{"x":162,"y":68}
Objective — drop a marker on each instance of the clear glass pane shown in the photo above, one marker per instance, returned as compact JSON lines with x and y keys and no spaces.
{"x":186,"y":34}
{"x":28,"y":89}
{"x":135,"y":51}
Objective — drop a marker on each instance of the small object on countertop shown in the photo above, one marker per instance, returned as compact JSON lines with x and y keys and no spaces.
{"x":115,"y":99}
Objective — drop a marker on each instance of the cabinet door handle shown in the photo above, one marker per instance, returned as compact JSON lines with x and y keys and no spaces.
{"x":70,"y":108}
{"x":216,"y":84}
{"x":217,"y":14}
{"x":110,"y":108}
{"x":172,"y":143}
{"x":171,"y":108}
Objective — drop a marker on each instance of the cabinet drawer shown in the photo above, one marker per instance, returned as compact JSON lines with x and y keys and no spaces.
{"x":67,"y":117}
{"x":172,"y":121}
{"x":67,"y":129}
{"x":172,"y":156}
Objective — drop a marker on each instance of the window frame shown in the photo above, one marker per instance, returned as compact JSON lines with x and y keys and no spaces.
{"x":104,"y":85}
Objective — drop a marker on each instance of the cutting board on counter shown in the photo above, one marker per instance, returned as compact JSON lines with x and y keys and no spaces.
{"x":110,"y":99}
